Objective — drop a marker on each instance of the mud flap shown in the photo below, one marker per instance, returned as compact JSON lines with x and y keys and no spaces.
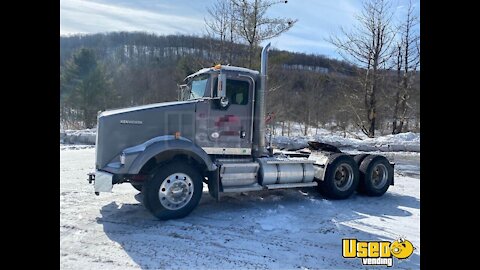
{"x":393,"y":176}
{"x":214,"y":184}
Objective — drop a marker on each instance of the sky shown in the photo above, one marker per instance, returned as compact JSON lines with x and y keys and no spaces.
{"x":317,"y":19}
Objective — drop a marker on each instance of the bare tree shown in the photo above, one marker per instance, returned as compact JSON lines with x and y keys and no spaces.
{"x":407,"y":60}
{"x":313,"y":94}
{"x":253,"y":24}
{"x":367,"y":46}
{"x":221,"y":25}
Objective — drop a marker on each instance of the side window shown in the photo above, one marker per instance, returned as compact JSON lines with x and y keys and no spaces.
{"x":237,"y":91}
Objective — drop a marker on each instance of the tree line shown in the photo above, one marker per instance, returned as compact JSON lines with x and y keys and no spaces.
{"x":119,"y":69}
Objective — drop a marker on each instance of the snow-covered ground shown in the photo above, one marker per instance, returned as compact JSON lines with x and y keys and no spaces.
{"x":82,"y":136}
{"x":407,"y":142}
{"x":282,"y":229}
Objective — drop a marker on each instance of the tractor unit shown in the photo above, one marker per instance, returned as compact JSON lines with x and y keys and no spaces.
{"x":215,"y":134}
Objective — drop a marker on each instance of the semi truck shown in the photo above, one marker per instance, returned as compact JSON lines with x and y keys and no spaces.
{"x":215,"y":134}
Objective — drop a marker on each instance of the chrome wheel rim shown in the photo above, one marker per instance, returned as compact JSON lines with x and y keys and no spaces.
{"x":176,"y":191}
{"x":379,"y":176}
{"x":343,"y":177}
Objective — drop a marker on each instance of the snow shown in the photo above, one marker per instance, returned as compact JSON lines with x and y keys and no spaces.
{"x":279,"y":229}
{"x":275,"y":221}
{"x":83,"y":136}
{"x":407,"y":142}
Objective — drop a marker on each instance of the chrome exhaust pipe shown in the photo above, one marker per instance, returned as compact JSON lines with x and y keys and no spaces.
{"x":259,"y":123}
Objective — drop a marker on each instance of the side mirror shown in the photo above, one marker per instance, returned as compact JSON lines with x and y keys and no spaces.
{"x":183,"y":93}
{"x":222,"y":85}
{"x":223,"y":101}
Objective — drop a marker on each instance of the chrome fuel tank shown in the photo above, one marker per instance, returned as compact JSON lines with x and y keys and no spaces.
{"x":281,"y":170}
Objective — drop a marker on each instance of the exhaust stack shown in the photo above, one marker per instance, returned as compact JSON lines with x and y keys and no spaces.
{"x":259,"y":122}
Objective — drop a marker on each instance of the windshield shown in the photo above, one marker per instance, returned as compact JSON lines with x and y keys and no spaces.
{"x":197,"y":86}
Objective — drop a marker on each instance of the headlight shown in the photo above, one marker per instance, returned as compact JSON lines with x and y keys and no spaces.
{"x":122,"y":159}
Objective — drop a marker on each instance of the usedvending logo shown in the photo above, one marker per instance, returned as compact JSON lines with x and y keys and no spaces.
{"x":377,"y":252}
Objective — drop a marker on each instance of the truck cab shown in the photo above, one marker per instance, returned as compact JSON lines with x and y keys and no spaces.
{"x":225,"y":108}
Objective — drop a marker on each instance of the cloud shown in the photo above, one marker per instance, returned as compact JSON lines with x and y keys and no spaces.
{"x":186,"y":17}
{"x":78,"y":16}
{"x":317,"y":19}
{"x":304,"y":45}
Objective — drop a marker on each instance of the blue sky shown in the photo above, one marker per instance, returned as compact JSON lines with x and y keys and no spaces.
{"x":317,"y":19}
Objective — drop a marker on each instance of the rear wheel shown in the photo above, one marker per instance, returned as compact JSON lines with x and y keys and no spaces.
{"x":174,"y":191}
{"x":341,"y":177}
{"x":376,"y":175}
{"x":359,"y":158}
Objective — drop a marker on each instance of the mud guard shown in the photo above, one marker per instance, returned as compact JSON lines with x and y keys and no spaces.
{"x":314,"y":145}
{"x":214,"y":184}
{"x":181,"y":145}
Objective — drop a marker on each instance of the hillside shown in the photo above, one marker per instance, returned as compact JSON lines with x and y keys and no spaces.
{"x":141,"y":68}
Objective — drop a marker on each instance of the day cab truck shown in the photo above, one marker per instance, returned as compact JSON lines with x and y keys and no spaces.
{"x":215,"y":135}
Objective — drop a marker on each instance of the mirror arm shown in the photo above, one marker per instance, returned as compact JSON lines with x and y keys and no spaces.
{"x":222,"y":85}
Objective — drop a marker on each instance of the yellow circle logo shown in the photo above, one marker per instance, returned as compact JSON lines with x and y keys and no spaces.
{"x":401,"y":249}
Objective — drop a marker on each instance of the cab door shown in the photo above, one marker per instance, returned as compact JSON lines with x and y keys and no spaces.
{"x":230,"y":124}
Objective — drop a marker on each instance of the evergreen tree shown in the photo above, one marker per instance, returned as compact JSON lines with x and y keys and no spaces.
{"x":84,"y":88}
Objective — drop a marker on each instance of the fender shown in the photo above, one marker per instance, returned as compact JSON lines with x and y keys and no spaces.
{"x":313,"y":145}
{"x":137,"y":156}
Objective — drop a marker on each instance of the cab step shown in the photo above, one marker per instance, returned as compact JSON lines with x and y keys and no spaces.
{"x":292,"y":185}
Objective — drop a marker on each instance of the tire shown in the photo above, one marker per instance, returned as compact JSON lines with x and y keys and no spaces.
{"x":376,"y":175}
{"x":137,"y":187}
{"x":159,"y":193}
{"x":359,"y":158}
{"x":341,"y":177}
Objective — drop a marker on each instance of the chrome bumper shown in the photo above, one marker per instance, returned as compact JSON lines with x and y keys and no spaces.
{"x":103,"y":181}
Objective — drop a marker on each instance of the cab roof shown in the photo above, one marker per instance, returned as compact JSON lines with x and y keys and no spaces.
{"x":220,"y":67}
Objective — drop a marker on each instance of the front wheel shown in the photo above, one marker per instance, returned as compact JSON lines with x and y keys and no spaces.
{"x":174,"y":191}
{"x":341,"y":177}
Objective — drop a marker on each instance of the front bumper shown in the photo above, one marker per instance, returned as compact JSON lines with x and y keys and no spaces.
{"x":102,"y":181}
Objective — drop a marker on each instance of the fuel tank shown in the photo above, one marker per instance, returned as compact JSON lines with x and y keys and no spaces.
{"x":282,"y":170}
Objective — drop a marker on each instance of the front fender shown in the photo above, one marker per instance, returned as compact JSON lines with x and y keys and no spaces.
{"x":137,"y":156}
{"x":184,"y":146}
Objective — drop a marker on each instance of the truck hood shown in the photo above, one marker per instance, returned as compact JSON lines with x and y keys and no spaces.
{"x":145,"y":107}
{"x":123,"y":128}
